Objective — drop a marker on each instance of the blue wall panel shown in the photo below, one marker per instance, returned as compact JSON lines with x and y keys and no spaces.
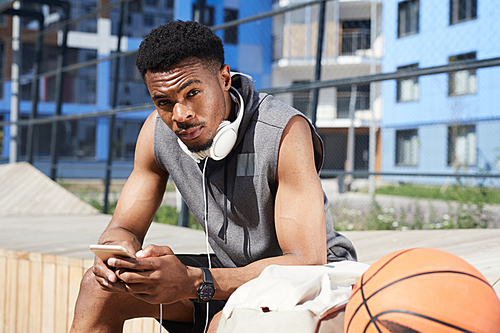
{"x":435,"y":110}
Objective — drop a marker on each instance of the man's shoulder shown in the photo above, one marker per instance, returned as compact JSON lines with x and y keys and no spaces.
{"x":274,"y":112}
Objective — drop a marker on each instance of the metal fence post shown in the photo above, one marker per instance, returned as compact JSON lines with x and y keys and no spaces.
{"x":351,"y":137}
{"x":14,"y":99}
{"x":114,"y":102}
{"x":319,"y":56}
{"x":36,"y":71}
{"x":58,"y":90}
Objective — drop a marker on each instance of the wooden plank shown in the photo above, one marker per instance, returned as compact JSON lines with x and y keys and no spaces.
{"x":61,"y":294}
{"x":148,"y":324}
{"x":11,"y":299}
{"x":3,"y":289}
{"x":127,"y":327}
{"x":76,"y":272}
{"x":48,"y":294}
{"x":23,"y":296}
{"x":35,"y":308}
{"x":137,"y":325}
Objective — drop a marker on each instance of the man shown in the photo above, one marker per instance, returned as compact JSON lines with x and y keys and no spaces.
{"x":260,"y":199}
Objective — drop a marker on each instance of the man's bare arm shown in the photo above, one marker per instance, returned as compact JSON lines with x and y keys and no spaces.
{"x":138,"y":201}
{"x":300,"y":228}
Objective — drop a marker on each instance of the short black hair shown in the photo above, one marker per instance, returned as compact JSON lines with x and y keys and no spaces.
{"x":175,"y":41}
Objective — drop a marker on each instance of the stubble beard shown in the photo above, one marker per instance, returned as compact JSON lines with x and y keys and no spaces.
{"x":203,"y":146}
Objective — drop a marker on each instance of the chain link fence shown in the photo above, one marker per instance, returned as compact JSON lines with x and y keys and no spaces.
{"x":403,"y":93}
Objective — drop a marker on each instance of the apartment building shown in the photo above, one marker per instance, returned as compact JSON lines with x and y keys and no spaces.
{"x":353,"y":46}
{"x":89,"y":89}
{"x":442,"y":123}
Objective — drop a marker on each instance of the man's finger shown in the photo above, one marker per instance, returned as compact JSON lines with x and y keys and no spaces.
{"x":102,"y":271}
{"x":134,"y":277}
{"x":154,"y":251}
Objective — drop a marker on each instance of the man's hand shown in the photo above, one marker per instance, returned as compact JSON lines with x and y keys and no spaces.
{"x":103,"y":274}
{"x":155,"y":276}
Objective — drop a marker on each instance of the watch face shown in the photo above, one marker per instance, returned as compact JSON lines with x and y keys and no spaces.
{"x":206,"y":292}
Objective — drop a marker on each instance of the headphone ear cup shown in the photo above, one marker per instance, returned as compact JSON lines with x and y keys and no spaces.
{"x":224,"y":141}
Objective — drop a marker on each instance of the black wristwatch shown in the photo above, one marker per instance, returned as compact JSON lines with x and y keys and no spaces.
{"x":207,"y":289}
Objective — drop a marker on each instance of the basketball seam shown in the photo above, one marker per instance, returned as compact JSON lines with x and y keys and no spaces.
{"x":425,"y":273}
{"x":425,"y":317}
{"x":369,"y":313}
{"x":365,"y":300}
{"x":363,"y":283}
{"x":387,"y":263}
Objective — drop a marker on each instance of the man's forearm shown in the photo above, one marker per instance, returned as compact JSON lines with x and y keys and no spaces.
{"x":115,"y":234}
{"x":227,"y":280}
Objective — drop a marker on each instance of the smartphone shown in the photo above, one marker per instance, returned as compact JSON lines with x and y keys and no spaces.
{"x":104,"y":252}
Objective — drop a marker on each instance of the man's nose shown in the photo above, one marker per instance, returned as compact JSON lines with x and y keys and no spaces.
{"x":182,"y":113}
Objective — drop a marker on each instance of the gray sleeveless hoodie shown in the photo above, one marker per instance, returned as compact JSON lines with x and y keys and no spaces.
{"x":241,"y":188}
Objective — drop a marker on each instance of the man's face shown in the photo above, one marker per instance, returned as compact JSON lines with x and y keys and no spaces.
{"x":192,"y":100}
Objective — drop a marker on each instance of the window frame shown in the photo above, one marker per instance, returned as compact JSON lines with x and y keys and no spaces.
{"x":399,"y":161}
{"x":458,"y":131}
{"x":415,"y":80}
{"x":209,"y":15}
{"x":452,"y":90}
{"x":344,"y":98}
{"x":301,"y":99}
{"x":231,"y":34}
{"x":404,"y":7}
{"x":471,"y":12}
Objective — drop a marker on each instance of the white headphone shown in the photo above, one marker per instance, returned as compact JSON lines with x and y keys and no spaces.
{"x":225,"y":136}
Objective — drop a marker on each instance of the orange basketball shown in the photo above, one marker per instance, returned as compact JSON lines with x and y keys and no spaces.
{"x":422,"y":290}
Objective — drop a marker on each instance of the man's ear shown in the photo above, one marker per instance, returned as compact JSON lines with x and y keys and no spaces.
{"x":225,"y":77}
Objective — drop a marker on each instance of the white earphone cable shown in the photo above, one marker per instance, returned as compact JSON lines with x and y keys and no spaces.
{"x":161,"y":316}
{"x":205,"y":199}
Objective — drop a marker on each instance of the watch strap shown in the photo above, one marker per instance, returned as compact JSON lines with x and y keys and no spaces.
{"x":207,"y":275}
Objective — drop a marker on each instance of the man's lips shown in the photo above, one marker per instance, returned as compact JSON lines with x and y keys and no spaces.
{"x":189,"y":133}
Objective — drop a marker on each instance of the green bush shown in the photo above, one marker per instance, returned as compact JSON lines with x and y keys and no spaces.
{"x":169,"y":215}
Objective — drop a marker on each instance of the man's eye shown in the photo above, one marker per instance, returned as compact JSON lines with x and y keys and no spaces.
{"x":192,"y":93}
{"x":163,"y":103}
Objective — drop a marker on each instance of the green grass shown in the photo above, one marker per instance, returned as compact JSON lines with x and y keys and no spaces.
{"x":169,"y":215}
{"x":451,"y":193}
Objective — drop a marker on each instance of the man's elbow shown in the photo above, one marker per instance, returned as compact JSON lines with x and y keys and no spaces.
{"x":310,"y":258}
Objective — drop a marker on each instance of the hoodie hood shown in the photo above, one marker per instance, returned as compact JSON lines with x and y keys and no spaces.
{"x":251,"y":98}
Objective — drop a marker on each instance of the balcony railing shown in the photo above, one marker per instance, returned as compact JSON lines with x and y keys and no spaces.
{"x":352,"y":42}
{"x":355,"y":41}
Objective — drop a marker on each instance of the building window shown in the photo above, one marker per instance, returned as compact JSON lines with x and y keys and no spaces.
{"x":301,"y":99}
{"x":408,"y":18}
{"x":355,"y":36}
{"x":135,"y":6}
{"x":462,"y":82}
{"x":208,"y":16}
{"x":149,"y":20}
{"x":231,"y":34}
{"x":462,"y":10}
{"x":408,"y":89}
{"x":462,"y":149}
{"x":344,"y":99}
{"x":407,"y":147}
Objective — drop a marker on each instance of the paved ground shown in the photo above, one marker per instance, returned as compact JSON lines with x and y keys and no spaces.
{"x":70,"y":233}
